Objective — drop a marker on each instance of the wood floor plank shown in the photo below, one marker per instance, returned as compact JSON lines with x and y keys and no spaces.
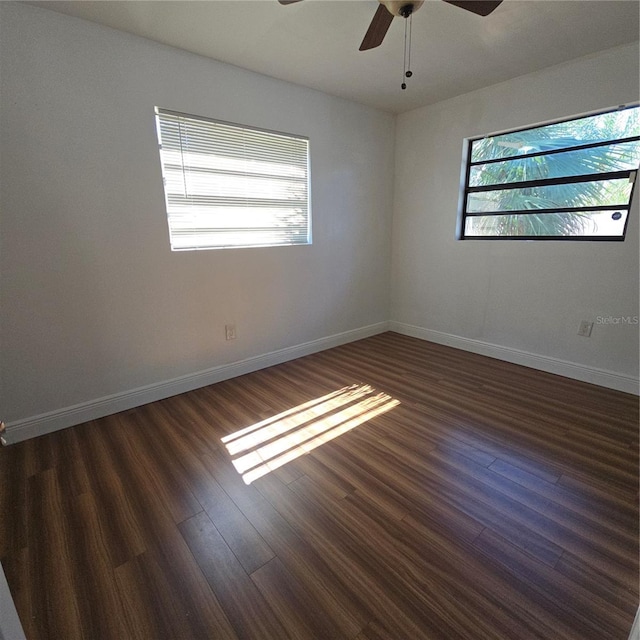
{"x":13,"y":501}
{"x":330,"y":481}
{"x":193,"y":421}
{"x":484,"y":500}
{"x":443,"y":427}
{"x":598,"y":490}
{"x":603,"y":620}
{"x":376,"y":630}
{"x":478,"y":503}
{"x":568,"y":529}
{"x":241,"y":536}
{"x":324,"y":582}
{"x":165,"y":598}
{"x":599,"y":581}
{"x":159,"y":465}
{"x":99,"y":608}
{"x":614,"y":515}
{"x":122,"y":528}
{"x":454,"y":562}
{"x":247,"y":544}
{"x":294,"y":605}
{"x":366,"y":582}
{"x":54,"y":605}
{"x":65,"y":454}
{"x":415,"y":564}
{"x":423,"y":505}
{"x":250,"y":615}
{"x":389,"y":499}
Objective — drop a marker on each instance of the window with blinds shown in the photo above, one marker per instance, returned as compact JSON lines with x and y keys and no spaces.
{"x":229,"y":185}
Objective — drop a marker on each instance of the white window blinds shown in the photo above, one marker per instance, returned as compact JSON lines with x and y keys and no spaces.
{"x":229,"y":185}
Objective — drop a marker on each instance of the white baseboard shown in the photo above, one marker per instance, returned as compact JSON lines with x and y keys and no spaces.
{"x":601,"y":377}
{"x":100,"y":407}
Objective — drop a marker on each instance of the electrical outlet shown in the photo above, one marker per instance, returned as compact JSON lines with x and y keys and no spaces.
{"x":585,"y":328}
{"x":230,"y":331}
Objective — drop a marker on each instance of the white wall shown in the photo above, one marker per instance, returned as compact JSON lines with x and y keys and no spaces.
{"x":518,"y":300}
{"x":93,"y":302}
{"x":97,"y":313}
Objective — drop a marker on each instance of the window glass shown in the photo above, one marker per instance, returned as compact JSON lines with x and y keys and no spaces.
{"x":229,"y":185}
{"x":572,"y":179}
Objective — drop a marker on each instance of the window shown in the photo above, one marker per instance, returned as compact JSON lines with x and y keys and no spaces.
{"x":228,"y":185}
{"x":567,"y":180}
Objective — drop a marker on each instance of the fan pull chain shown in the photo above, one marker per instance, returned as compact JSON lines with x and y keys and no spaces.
{"x":404,"y":61}
{"x":406,"y":65}
{"x":409,"y":73}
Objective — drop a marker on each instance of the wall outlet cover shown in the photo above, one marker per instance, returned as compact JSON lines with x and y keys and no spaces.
{"x":585,"y":328}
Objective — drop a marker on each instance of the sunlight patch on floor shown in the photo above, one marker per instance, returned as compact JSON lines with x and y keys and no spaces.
{"x":271,"y":443}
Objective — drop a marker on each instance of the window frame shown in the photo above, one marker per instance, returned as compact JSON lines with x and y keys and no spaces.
{"x":159,"y":112}
{"x":468,"y":164}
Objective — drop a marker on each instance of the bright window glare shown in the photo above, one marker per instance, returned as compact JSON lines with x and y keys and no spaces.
{"x":269,"y":444}
{"x":232,"y":186}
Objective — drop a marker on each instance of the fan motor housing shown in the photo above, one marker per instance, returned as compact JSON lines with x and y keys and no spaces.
{"x":402,"y":8}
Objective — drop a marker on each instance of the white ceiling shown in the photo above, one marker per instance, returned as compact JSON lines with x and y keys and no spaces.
{"x":315,"y":43}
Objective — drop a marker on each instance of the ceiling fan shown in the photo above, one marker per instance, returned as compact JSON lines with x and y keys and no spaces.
{"x":389,"y":9}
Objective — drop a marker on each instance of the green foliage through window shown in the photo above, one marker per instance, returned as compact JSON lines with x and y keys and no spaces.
{"x":568,"y":180}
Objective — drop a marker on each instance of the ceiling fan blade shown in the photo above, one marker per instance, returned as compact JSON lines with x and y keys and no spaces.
{"x":479,"y":7}
{"x":288,"y":1}
{"x":377,"y":29}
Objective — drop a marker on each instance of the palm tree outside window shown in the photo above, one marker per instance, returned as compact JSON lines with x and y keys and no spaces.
{"x":569,"y":180}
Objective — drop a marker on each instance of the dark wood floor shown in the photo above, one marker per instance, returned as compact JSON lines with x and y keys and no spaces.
{"x":408,"y":491}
